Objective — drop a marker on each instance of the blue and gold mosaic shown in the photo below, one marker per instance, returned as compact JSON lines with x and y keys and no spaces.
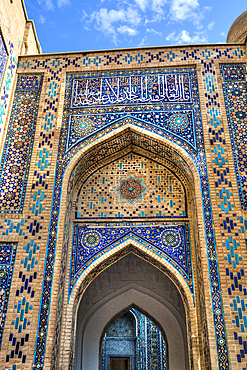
{"x":163,"y":99}
{"x":99,"y":194}
{"x":234,"y":88}
{"x":131,"y":189}
{"x":68,"y":148}
{"x":3,"y":58}
{"x":7,"y":260}
{"x":233,"y":225}
{"x":136,"y":337}
{"x":168,"y":241}
{"x":18,"y":144}
{"x":7,"y":82}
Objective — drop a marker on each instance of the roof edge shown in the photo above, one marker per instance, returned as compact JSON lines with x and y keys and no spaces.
{"x":33,"y":26}
{"x":136,"y":48}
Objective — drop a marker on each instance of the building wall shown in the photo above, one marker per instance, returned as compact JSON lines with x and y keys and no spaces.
{"x":49,"y":155}
{"x":17,"y":36}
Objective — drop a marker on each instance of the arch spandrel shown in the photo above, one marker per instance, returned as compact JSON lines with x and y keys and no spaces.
{"x":163,"y":101}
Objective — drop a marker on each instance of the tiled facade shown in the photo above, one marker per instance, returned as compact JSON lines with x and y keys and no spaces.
{"x":125,"y":151}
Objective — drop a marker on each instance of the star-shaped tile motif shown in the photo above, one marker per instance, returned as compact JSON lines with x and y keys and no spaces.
{"x":131,"y":189}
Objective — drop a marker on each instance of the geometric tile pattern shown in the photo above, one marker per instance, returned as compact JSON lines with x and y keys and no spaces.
{"x":161,"y":99}
{"x":7,"y":261}
{"x":18,"y":144}
{"x":198,"y":155}
{"x":130,"y":189}
{"x":170,"y":241}
{"x":232,"y":225}
{"x":234,"y":89}
{"x":99,"y":194}
{"x":150,"y":337}
{"x":205,"y":57}
{"x":10,"y":67}
{"x":3,"y":58}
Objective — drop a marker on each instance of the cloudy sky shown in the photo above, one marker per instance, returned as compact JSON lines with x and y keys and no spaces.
{"x":75,"y":25}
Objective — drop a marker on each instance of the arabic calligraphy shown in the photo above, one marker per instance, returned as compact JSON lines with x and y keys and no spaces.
{"x":144,"y":89}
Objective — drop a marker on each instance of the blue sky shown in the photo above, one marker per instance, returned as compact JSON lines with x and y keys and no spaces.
{"x":77,"y":25}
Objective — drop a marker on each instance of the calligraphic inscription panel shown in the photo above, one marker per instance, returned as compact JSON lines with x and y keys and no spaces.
{"x":154,"y":87}
{"x":169,"y":241}
{"x":165,"y":101}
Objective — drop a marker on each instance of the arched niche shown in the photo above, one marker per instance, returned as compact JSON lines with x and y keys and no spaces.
{"x":130,"y":282}
{"x":86,"y":164}
{"x":137,"y":338}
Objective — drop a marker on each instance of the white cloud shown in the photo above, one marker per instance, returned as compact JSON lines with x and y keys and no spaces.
{"x":42,"y":19}
{"x":157,"y":5}
{"x":156,"y":18}
{"x":84,"y":15}
{"x":61,"y":3}
{"x":187,"y":10}
{"x":182,"y":9}
{"x":171,"y":36}
{"x":152,"y":30}
{"x":132,"y":16}
{"x":86,"y":28}
{"x":184,"y":37}
{"x":128,"y":30}
{"x":211,"y":25}
{"x":113,"y":21}
{"x":143,"y":42}
{"x":223,"y":34}
{"x":48,"y":4}
{"x":142,"y":4}
{"x":105,"y":19}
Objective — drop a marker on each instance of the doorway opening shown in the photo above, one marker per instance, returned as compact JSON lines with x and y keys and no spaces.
{"x":132,"y":341}
{"x":120,"y":363}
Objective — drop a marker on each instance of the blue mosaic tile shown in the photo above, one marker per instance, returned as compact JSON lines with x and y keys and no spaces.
{"x":169,"y":241}
{"x":141,"y":341}
{"x":234,"y":88}
{"x":82,"y":139}
{"x":164,"y":102}
{"x":7,"y":260}
{"x":197,"y":154}
{"x":3,"y":58}
{"x":18,"y":144}
{"x":6,"y":88}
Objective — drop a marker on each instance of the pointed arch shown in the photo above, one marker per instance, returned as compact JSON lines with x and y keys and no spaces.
{"x":153,"y":303}
{"x":130,"y":309}
{"x":86,"y":161}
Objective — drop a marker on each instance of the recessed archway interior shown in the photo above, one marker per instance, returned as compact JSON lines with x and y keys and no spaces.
{"x":142,"y":190}
{"x":133,"y":341}
{"x":130,"y":283}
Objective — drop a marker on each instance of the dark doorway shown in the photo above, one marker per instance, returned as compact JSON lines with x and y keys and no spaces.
{"x":120,"y":363}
